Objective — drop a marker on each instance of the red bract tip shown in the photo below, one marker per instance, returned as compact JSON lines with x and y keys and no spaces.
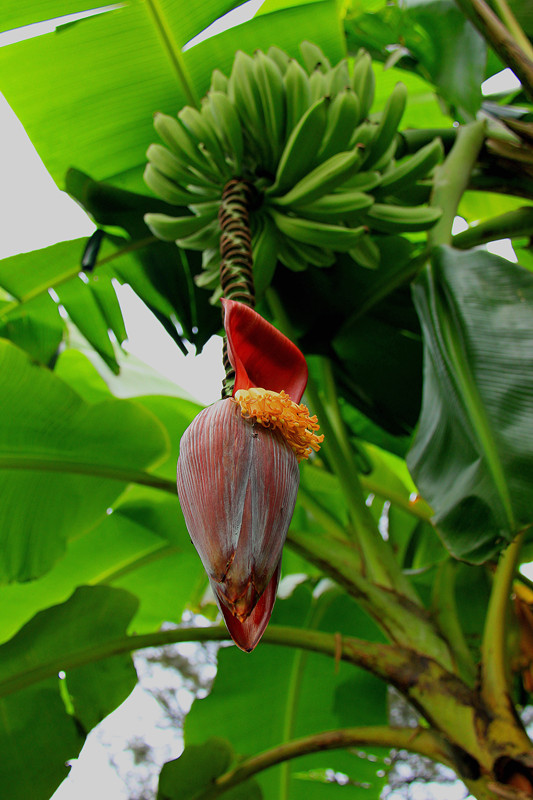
{"x":260,"y":355}
{"x":247,"y":634}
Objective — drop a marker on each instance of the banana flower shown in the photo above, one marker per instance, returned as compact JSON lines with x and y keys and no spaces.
{"x":238,"y":471}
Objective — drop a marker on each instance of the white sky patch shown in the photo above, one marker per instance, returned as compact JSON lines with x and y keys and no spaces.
{"x":504,"y":81}
{"x":49,"y":26}
{"x":235,"y":17}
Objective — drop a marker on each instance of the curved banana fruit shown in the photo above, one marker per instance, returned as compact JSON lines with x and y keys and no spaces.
{"x":388,"y":125}
{"x":228,"y":126}
{"x":265,"y":247}
{"x":343,"y":116}
{"x":346,"y":206}
{"x":165,"y":188}
{"x":412,"y":168}
{"x":321,"y":234}
{"x":298,"y":154}
{"x":271,"y":89}
{"x":364,"y":82}
{"x":279,"y":57}
{"x":172,"y":228}
{"x":297,"y":93}
{"x":366,"y":253}
{"x":314,"y":58}
{"x":322,"y":179}
{"x":243,"y":92}
{"x":400,"y":219}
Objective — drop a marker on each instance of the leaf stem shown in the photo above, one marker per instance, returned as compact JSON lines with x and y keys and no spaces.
{"x":417,"y":740}
{"x":444,"y":606}
{"x":494,"y":662}
{"x":452,"y":177}
{"x":173,"y":51}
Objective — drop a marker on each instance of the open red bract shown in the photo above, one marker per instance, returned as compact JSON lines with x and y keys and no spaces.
{"x":260,"y":355}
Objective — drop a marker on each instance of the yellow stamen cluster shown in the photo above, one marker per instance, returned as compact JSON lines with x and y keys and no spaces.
{"x":277,"y":411}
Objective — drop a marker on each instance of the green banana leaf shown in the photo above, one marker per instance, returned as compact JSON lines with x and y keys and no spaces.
{"x":452,"y":54}
{"x":271,"y":697}
{"x":133,"y":55}
{"x":472,"y":455}
{"x":44,"y":717}
{"x":71,"y":458}
{"x":197,"y":768}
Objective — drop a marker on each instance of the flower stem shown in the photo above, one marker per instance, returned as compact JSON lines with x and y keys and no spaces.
{"x":444,"y":607}
{"x":236,"y":262}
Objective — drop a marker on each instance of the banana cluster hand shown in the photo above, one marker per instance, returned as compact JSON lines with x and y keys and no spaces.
{"x":323,"y":169}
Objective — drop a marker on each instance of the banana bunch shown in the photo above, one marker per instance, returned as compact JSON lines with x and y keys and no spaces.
{"x":322,"y":166}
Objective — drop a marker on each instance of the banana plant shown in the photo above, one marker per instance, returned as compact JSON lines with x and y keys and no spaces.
{"x":286,"y":182}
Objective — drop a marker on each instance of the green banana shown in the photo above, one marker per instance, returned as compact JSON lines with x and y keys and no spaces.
{"x":362,"y":181}
{"x":364,"y":82}
{"x":297,"y":256}
{"x":290,"y":257}
{"x":165,"y":188}
{"x":313,"y":57}
{"x":297,"y":93}
{"x":412,"y":168}
{"x":298,"y":154}
{"x":203,"y":134}
{"x":366,"y":253}
{"x":228,"y":126}
{"x":363,"y":135}
{"x":270,"y":82}
{"x":205,"y":238}
{"x":322,"y":179}
{"x":279,"y":57}
{"x":346,"y":206}
{"x":265,"y":243}
{"x":398,"y":219}
{"x":416,"y":194}
{"x":388,"y":125}
{"x":243,"y":92}
{"x":168,"y":164}
{"x":320,"y":234}
{"x":172,"y":228}
{"x":384,"y":163}
{"x":339,"y":78}
{"x":219,"y":82}
{"x":178,"y":138}
{"x":317,"y":85}
{"x":343,"y":115}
